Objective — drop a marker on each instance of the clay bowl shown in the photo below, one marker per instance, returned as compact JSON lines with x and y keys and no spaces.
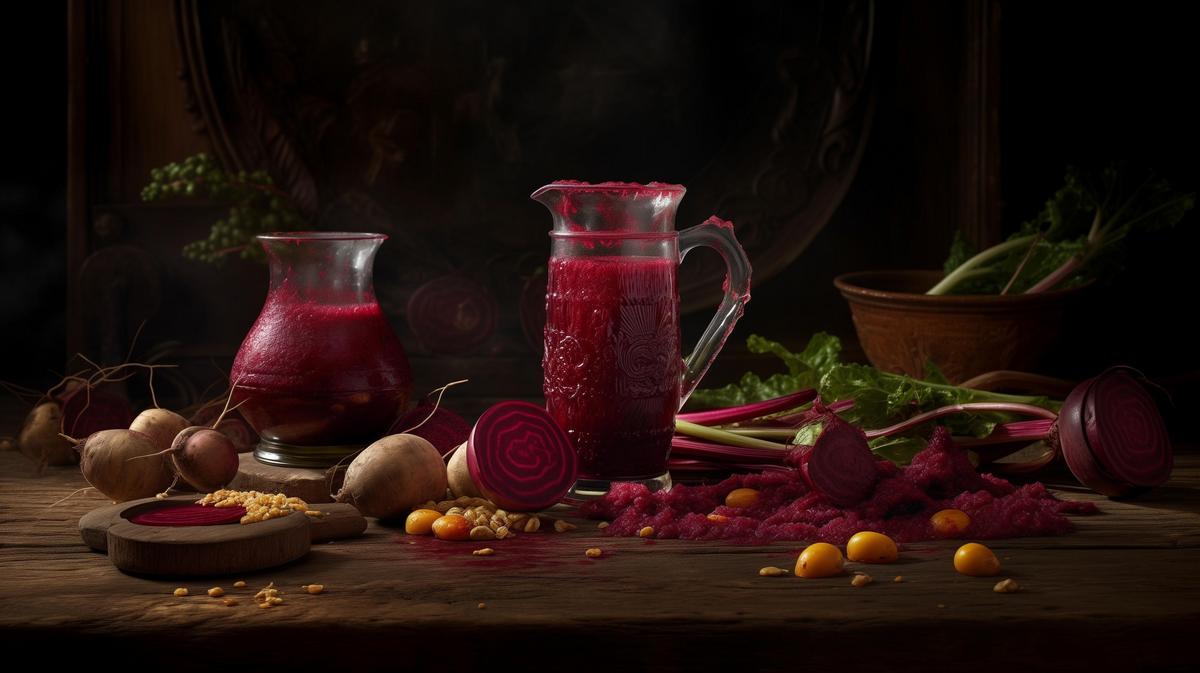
{"x":900,"y":328}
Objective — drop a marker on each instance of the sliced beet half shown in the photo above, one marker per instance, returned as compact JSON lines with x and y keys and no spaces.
{"x":839,"y":464}
{"x":1112,"y":434}
{"x":520,"y":458}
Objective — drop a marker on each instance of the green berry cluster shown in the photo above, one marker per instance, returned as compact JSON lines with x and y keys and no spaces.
{"x":256,"y":205}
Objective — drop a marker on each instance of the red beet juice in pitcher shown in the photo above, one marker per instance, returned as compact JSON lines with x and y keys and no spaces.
{"x":612,"y":362}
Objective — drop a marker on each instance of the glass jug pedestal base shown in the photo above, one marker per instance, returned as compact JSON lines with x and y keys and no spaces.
{"x":292,"y":455}
{"x":590,"y":489}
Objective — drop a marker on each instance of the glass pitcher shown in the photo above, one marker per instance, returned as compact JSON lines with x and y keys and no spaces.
{"x":613,"y":375}
{"x":321,"y":373}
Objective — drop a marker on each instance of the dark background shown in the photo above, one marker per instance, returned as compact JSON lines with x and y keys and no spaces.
{"x":1079,"y":81}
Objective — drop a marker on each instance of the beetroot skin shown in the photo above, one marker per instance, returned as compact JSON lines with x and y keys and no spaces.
{"x":939,"y":477}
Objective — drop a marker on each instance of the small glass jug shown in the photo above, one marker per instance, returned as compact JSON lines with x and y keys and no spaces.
{"x":321,"y":372}
{"x":613,"y":375}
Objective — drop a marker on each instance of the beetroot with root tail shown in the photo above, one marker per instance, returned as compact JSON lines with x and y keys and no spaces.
{"x":87,"y":410}
{"x":394,"y":475}
{"x":39,"y":439}
{"x":160,"y":425}
{"x":205,"y":458}
{"x":233,"y":425}
{"x":123,"y":465}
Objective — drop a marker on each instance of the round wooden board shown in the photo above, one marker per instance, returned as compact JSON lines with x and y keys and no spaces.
{"x":210,"y":550}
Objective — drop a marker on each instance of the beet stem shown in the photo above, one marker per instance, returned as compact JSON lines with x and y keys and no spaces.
{"x":724,"y":436}
{"x":748,"y":411}
{"x":1003,"y":407}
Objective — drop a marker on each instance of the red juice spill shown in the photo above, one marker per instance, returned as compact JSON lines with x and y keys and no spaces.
{"x":904,"y":499}
{"x":612,"y":361}
{"x":320,"y":373}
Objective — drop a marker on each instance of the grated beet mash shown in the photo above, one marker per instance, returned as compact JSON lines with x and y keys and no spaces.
{"x":939,"y":477}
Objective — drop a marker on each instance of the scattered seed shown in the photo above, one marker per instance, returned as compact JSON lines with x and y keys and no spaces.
{"x":771,"y":571}
{"x":216,"y":592}
{"x":229,"y":602}
{"x":898,"y":578}
{"x":861,"y":580}
{"x":486,"y":551}
{"x":561,"y":526}
{"x":264,"y":605}
{"x":181,"y":592}
{"x":648,"y":531}
{"x":593,"y":552}
{"x":482,"y":533}
{"x":533,"y":524}
{"x":602,"y":525}
{"x":313,"y":589}
{"x":1006,"y":586}
{"x":482,"y":606}
{"x":239,"y":584}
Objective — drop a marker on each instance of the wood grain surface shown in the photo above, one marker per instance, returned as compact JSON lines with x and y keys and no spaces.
{"x":1120,"y":593}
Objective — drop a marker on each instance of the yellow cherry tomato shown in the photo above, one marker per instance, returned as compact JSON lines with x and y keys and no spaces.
{"x":976,"y":560}
{"x":950,"y":522}
{"x":420,"y":521}
{"x":452,"y":527}
{"x":741,"y":497}
{"x":871,"y":547}
{"x":820,"y":559}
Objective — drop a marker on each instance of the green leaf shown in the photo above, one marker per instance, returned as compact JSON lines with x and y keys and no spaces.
{"x":880,"y":398}
{"x":1121,"y":198}
{"x":959,"y":253}
{"x":900,"y":450}
{"x":805,"y":370}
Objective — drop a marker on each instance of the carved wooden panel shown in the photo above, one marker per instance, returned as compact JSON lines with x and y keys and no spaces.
{"x":432,"y":122}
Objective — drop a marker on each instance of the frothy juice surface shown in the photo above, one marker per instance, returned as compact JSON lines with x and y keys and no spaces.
{"x":612,"y":362}
{"x":315,"y":373}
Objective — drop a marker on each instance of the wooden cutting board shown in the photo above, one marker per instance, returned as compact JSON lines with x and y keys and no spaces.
{"x":210,"y":550}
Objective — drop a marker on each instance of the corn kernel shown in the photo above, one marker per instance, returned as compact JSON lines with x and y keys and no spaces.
{"x":648,"y":531}
{"x":180,"y":592}
{"x":871,"y":547}
{"x":819,"y":560}
{"x":976,"y":560}
{"x":240,"y":584}
{"x":742,"y":497}
{"x":950,"y":522}
{"x":593,"y":552}
{"x":452,"y":527}
{"x":216,"y":592}
{"x":314,"y":589}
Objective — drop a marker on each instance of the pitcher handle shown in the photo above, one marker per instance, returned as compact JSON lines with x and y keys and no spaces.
{"x":718,"y":235}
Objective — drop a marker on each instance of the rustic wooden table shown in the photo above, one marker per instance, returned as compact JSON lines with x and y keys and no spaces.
{"x":1118,"y":594}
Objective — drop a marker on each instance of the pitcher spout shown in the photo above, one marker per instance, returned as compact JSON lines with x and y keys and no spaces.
{"x":627,"y":207}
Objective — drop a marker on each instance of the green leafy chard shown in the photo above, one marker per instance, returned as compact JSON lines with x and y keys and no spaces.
{"x":1076,"y":238}
{"x":880,"y":398}
{"x":805,"y":370}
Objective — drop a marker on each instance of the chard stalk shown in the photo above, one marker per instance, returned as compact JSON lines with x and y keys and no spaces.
{"x":963,"y":271}
{"x":724,"y":437}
